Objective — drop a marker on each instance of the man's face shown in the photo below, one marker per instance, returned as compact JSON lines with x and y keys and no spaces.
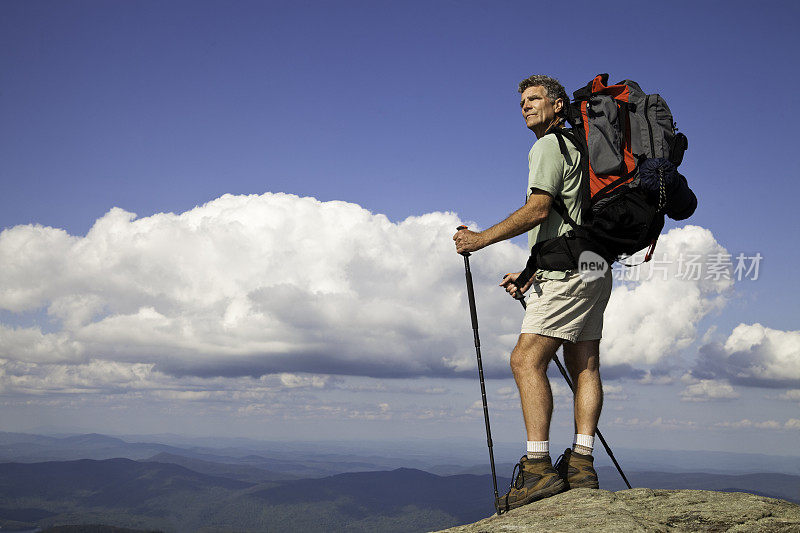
{"x":537,"y":109}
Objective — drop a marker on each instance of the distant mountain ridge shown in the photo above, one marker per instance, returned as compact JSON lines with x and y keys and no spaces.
{"x":243,"y":472}
{"x":462,"y":457}
{"x":18,"y":447}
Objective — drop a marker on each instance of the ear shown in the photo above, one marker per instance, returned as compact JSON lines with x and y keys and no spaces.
{"x":558,"y":105}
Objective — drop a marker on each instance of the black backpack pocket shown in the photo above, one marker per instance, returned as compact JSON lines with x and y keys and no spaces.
{"x":623,"y":223}
{"x":681,"y":201}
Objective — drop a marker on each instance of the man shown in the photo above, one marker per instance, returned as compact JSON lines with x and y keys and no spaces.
{"x":562,"y":309}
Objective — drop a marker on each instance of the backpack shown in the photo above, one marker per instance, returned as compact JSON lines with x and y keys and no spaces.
{"x":630,"y":150}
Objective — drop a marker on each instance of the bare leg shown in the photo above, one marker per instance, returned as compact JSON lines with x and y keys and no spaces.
{"x":583,"y":363}
{"x":529,"y":361}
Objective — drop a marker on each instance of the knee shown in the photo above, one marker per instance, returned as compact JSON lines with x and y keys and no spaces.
{"x":517,"y":363}
{"x":524,"y":363}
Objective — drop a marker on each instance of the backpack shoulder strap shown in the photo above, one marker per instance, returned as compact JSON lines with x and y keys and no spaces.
{"x":558,"y":202}
{"x":561,"y":209}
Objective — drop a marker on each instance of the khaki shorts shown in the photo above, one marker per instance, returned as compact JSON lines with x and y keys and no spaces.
{"x":570,"y":308}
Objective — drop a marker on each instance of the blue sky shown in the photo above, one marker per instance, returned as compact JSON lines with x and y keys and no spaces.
{"x":398,"y":109}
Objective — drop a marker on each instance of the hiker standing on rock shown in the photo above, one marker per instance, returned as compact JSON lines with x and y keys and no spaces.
{"x":563,"y":309}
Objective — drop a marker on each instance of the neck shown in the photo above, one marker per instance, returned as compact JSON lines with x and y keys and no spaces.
{"x":542,"y":129}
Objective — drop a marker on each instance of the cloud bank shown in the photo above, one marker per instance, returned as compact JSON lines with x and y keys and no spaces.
{"x":274,"y":283}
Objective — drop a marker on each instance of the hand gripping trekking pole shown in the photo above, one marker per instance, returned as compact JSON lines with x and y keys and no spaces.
{"x":569,"y":382}
{"x":474,"y":315}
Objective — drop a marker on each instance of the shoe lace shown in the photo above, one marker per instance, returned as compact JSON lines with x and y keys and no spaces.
{"x":559,"y":462}
{"x":517,"y":476}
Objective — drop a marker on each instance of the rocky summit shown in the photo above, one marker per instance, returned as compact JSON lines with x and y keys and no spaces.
{"x":645,"y":510}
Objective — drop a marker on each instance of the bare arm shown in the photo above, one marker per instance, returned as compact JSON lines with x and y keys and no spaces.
{"x":527,"y":217}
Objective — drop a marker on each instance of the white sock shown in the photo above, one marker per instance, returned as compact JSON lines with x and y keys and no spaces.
{"x":583,"y":444}
{"x":538,"y":449}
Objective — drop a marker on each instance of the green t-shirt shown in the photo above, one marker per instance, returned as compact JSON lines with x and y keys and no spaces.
{"x":552,"y":173}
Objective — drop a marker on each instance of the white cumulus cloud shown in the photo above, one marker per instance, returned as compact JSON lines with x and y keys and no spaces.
{"x":754,"y":355}
{"x":708,"y":389}
{"x":247,"y":285}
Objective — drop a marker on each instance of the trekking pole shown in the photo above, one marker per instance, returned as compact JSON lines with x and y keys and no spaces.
{"x":474,"y":316}
{"x":569,"y":382}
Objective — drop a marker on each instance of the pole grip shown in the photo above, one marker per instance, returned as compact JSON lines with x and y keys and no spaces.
{"x":465,"y":254}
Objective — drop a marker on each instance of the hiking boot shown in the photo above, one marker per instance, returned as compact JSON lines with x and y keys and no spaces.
{"x":535,"y":479}
{"x":577,"y":470}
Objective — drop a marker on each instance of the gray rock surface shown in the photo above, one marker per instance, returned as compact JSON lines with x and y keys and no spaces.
{"x":647,"y":510}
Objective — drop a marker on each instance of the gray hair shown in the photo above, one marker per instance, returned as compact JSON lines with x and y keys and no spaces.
{"x":552,"y":87}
